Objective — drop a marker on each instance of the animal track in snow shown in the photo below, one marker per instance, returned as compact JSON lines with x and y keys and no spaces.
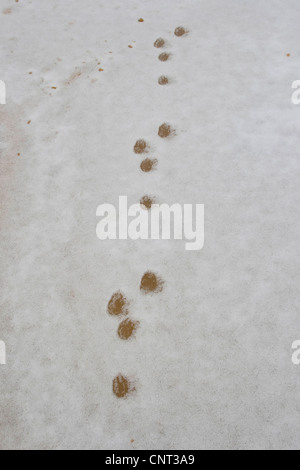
{"x":118,"y":304}
{"x":127,"y":329}
{"x":151,"y":283}
{"x":164,"y":56}
{"x":122,"y":386}
{"x":160,"y":42}
{"x":163,"y":80}
{"x":148,"y":165}
{"x":141,"y":146}
{"x":165,"y":130}
{"x":180,"y":31}
{"x":147,"y":202}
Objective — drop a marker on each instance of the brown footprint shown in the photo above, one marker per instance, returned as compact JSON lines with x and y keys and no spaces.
{"x":118,"y":304}
{"x":141,"y":146}
{"x":127,"y":329}
{"x":151,"y":283}
{"x":165,"y":130}
{"x":149,"y":165}
{"x":180,"y":31}
{"x":147,"y":202}
{"x":163,"y":80}
{"x":122,"y":386}
{"x":164,"y":57}
{"x":160,"y":42}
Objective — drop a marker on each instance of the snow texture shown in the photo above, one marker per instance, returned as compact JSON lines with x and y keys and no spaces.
{"x":211,"y":360}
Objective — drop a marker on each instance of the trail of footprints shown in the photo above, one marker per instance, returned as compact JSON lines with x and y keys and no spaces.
{"x":151,"y":283}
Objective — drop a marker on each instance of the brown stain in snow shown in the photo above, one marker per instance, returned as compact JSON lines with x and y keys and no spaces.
{"x":75,"y":75}
{"x":151,"y":283}
{"x":165,"y":130}
{"x":127,"y":329}
{"x":180,"y":31}
{"x":160,"y":42}
{"x":122,"y":386}
{"x":118,"y":304}
{"x":147,"y":202}
{"x":148,"y":165}
{"x":163,"y":80}
{"x":164,"y":57}
{"x":140,"y":146}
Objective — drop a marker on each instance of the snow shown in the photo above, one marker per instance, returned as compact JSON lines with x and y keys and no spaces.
{"x":212,"y":357}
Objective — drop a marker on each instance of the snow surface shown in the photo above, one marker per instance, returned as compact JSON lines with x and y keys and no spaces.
{"x":212,"y":357}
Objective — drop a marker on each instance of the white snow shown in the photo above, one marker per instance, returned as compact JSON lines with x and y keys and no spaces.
{"x":212,"y":357}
